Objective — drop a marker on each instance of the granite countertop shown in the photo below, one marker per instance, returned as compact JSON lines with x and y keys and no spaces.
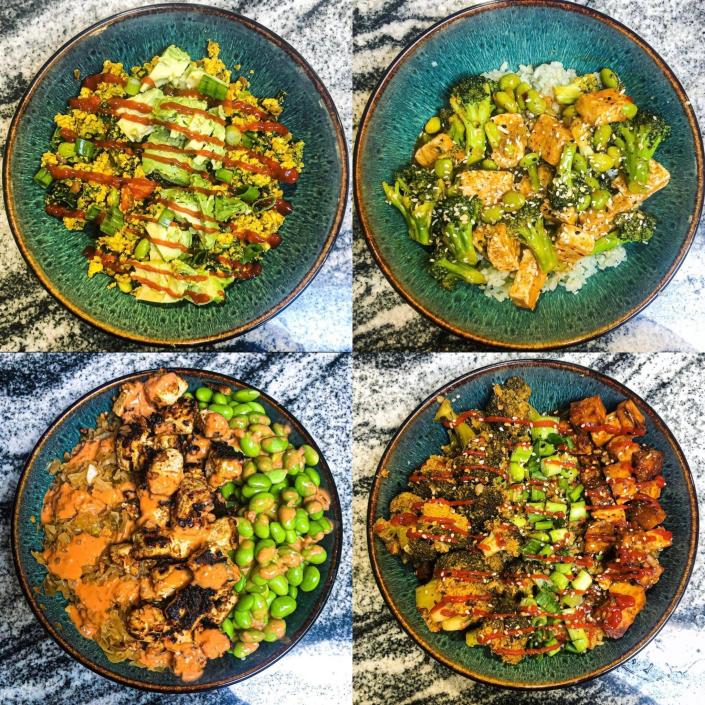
{"x":33,"y":669}
{"x":387,"y":664}
{"x":382,"y":319}
{"x":31,"y":319}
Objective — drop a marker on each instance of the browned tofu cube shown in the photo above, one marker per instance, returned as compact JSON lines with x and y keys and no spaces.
{"x":599,"y":536}
{"x":611,"y":515}
{"x":619,"y":478}
{"x":658,"y":178}
{"x":526,"y":188}
{"x":651,"y":540}
{"x":630,"y":418}
{"x":648,"y":515}
{"x":503,"y":248}
{"x":652,"y":488}
{"x":488,"y":186}
{"x":512,"y":140}
{"x":602,"y":107}
{"x":581,"y":132}
{"x":622,"y":448}
{"x":590,"y":410}
{"x":573,"y":242}
{"x":528,"y":282}
{"x":619,"y":611}
{"x":648,"y":463}
{"x":602,"y":437}
{"x":427,"y":154}
{"x":548,"y":138}
{"x":600,"y":495}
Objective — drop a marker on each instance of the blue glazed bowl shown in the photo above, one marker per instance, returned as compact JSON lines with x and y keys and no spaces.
{"x":554,"y":385}
{"x":481,"y":39}
{"x":319,"y":197}
{"x":27,"y":536}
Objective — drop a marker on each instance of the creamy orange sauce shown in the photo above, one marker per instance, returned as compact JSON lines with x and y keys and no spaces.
{"x":161,"y":386}
{"x":216,"y":426}
{"x":188,"y":660}
{"x":133,"y":402}
{"x":201,"y":446}
{"x":150,"y":508}
{"x":212,"y":576}
{"x":213,"y":642}
{"x":82,"y":550}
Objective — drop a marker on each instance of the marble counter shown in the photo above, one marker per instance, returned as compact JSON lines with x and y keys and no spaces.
{"x":389,"y":667}
{"x":382,"y":319}
{"x":30,"y":319}
{"x":34,"y":388}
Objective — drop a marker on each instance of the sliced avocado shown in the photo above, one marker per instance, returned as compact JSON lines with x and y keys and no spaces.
{"x":169,"y":172}
{"x":214,"y":287}
{"x":136,"y":131}
{"x":191,"y":77}
{"x":180,"y":118}
{"x":206,"y":203}
{"x":159,"y":234}
{"x":170,"y":66}
{"x":185,"y":200}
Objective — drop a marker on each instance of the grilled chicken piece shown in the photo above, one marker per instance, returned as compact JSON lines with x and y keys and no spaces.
{"x":503,"y":248}
{"x":147,"y":623}
{"x":167,"y":579}
{"x":164,"y":389}
{"x":648,"y":463}
{"x":602,"y":107}
{"x":488,"y":186}
{"x":548,"y":138}
{"x":131,"y":446}
{"x":179,"y":418}
{"x":193,"y":499}
{"x":528,"y":282}
{"x":166,"y":472}
{"x":513,"y":136}
{"x":224,"y":464}
{"x":427,"y":154}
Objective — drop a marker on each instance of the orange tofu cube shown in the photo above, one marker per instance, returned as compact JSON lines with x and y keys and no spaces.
{"x":590,"y":410}
{"x":528,"y":282}
{"x":624,"y":603}
{"x":658,"y":178}
{"x":572,"y":243}
{"x":427,"y":154}
{"x":622,"y":448}
{"x":513,"y":136}
{"x":503,"y":248}
{"x":488,"y":186}
{"x":619,"y":478}
{"x":600,"y":438}
{"x":548,"y":138}
{"x":602,"y":107}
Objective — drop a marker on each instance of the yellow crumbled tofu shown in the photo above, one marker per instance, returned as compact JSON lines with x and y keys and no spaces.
{"x":49,"y":158}
{"x":74,"y":223}
{"x":272,"y":106}
{"x":94,"y":266}
{"x":113,"y":68}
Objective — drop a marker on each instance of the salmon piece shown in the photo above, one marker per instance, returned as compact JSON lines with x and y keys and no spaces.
{"x":602,"y":107}
{"x":619,"y":611}
{"x":572,"y":243}
{"x":590,"y":410}
{"x":528,"y":282}
{"x":513,"y":136}
{"x":488,"y":186}
{"x":548,"y":138}
{"x":503,"y":248}
{"x":427,"y":154}
{"x":164,"y":389}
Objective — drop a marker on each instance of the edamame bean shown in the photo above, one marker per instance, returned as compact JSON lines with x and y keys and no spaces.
{"x":240,"y":584}
{"x":601,"y":162}
{"x":313,"y":506}
{"x":248,"y":492}
{"x":295,"y":575}
{"x":259,"y":419}
{"x":259,"y":481}
{"x":310,"y":455}
{"x":314,"y":529}
{"x":282,"y":607}
{"x":287,"y":517}
{"x":491,"y":215}
{"x":243,"y":618}
{"x":277,"y":476}
{"x":261,"y":430}
{"x":264,"y":464}
{"x":600,"y":199}
{"x":609,"y":78}
{"x":489,"y":164}
{"x":305,"y":486}
{"x":252,"y":636}
{"x":261,"y":502}
{"x":229,"y":628}
{"x":245,"y":395}
{"x":270,"y":598}
{"x":245,"y":604}
{"x":220,"y":398}
{"x":256,"y":406}
{"x":615,"y":153}
{"x":265,"y":552}
{"x":277,"y":488}
{"x":443,"y":168}
{"x":223,"y":409}
{"x":293,"y":592}
{"x":326,"y":525}
{"x":274,"y":630}
{"x":244,"y":528}
{"x":312,"y":577}
{"x":432,"y":125}
{"x":509,"y":81}
{"x":238,"y":422}
{"x":202,"y":405}
{"x":261,"y":526}
{"x":277,"y":532}
{"x":274,"y":444}
{"x":141,"y":252}
{"x":504,"y":100}
{"x":535,"y":103}
{"x":315,"y":554}
{"x":245,"y":553}
{"x":294,"y":460}
{"x":204,"y":394}
{"x":523,"y":88}
{"x":249,"y":446}
{"x":601,"y":137}
{"x":279,"y":585}
{"x":259,"y":603}
{"x":291,"y":537}
{"x":629,"y":110}
{"x":584,"y":203}
{"x":290,"y":497}
{"x":512,"y":201}
{"x":314,"y":476}
{"x":302,"y":522}
{"x":241,"y":409}
{"x":281,"y":429}
{"x":580,"y":164}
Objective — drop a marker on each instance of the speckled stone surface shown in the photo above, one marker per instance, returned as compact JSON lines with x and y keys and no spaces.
{"x":383,"y":320}
{"x":388,"y":666}
{"x":36,"y":388}
{"x":30,"y":319}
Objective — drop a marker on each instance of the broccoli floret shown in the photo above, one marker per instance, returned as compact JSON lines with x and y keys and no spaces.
{"x":471,"y":100}
{"x":456,"y":218}
{"x":568,"y":94}
{"x":638,"y":139}
{"x":632,"y":226}
{"x":568,"y":189}
{"x":449,"y":272}
{"x":527,"y":225}
{"x":415,"y":193}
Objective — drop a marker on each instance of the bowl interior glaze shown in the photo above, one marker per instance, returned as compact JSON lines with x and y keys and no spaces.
{"x":554,"y":385}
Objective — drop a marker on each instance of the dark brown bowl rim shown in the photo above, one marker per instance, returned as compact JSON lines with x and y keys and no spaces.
{"x":294,"y":56}
{"x":377,"y":95}
{"x":334,"y":556}
{"x":477,"y":374}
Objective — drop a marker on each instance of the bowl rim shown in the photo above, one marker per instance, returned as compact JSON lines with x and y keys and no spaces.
{"x":477,"y":375}
{"x":57,"y":636}
{"x":228,"y":16}
{"x":378,"y":94}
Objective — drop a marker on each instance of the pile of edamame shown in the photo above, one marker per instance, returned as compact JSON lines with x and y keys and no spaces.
{"x":280,"y":509}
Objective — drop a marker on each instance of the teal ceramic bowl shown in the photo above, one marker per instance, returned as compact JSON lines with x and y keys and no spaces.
{"x":319,"y":196}
{"x":27,"y":536}
{"x":554,"y":385}
{"x":480,"y":39}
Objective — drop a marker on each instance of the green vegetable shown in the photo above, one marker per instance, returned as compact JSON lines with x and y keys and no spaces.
{"x":204,"y":394}
{"x":133,"y":85}
{"x":212,"y":87}
{"x":638,"y":140}
{"x":282,"y":607}
{"x":112,"y":222}
{"x":632,"y":226}
{"x":43,"y":177}
{"x":568,"y":94}
{"x":312,"y":577}
{"x":84,"y":148}
{"x":527,"y":225}
{"x":471,"y":101}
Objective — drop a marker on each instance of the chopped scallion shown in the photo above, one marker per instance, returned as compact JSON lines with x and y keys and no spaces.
{"x":84,"y":148}
{"x":224,"y":175}
{"x":66,"y":150}
{"x":112,"y":222}
{"x":132,"y":87}
{"x":43,"y":177}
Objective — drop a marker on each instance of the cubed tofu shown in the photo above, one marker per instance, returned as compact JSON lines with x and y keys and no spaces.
{"x":548,"y":138}
{"x":624,"y":603}
{"x":602,"y":107}
{"x":582,"y":136}
{"x":599,"y":536}
{"x":648,"y":463}
{"x":619,"y":478}
{"x":652,"y":540}
{"x":528,"y":282}
{"x":630,"y":417}
{"x":652,"y":488}
{"x":590,"y":410}
{"x":599,"y":223}
{"x":658,"y":178}
{"x":503,"y":248}
{"x":513,"y":136}
{"x":488,"y":186}
{"x":572,"y":243}
{"x":622,"y":448}
{"x":427,"y":154}
{"x":648,"y":515}
{"x":611,"y":515}
{"x":602,"y":437}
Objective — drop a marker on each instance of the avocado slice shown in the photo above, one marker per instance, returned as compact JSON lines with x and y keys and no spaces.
{"x":170,"y":66}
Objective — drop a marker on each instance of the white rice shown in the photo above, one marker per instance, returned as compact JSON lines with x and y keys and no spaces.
{"x":543,"y":78}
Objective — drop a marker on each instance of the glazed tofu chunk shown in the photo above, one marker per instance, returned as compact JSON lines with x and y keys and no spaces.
{"x":619,"y":478}
{"x":488,"y":186}
{"x":528,"y":282}
{"x":548,"y":138}
{"x":658,"y":178}
{"x":590,"y":410}
{"x":165,"y":472}
{"x":164,"y":389}
{"x":513,"y":136}
{"x":503,"y":248}
{"x":602,"y":107}
{"x":572,"y":243}
{"x":599,"y":536}
{"x":427,"y":154}
{"x":623,"y":604}
{"x":648,"y":463}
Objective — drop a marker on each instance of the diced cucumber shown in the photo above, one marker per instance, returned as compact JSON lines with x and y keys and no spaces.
{"x":577,"y":511}
{"x":558,"y":535}
{"x":582,"y":581}
{"x":543,"y":525}
{"x":556,"y":507}
{"x":559,"y":580}
{"x":516,"y":472}
{"x":564,"y":568}
{"x":543,"y":432}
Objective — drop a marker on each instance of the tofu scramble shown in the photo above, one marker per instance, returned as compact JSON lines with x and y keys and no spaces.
{"x":533,"y":534}
{"x":175,"y":169}
{"x":532,"y":179}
